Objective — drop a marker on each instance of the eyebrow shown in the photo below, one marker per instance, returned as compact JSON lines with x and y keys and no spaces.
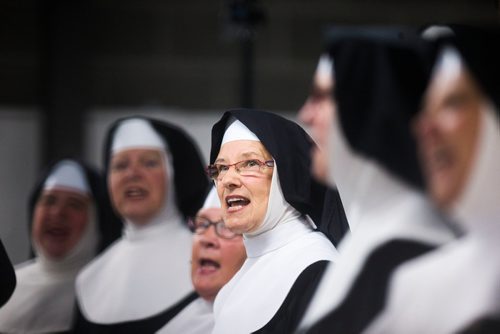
{"x":243,"y":155}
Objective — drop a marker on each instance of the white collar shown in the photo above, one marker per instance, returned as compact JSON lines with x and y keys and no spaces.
{"x":276,"y":259}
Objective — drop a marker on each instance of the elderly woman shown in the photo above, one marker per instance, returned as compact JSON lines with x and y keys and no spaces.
{"x":456,"y":288}
{"x":217,"y":254}
{"x":373,"y":162}
{"x":156,"y":179}
{"x":71,"y":221}
{"x":260,"y":165}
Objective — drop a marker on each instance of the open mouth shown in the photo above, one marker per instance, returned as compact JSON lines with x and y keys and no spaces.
{"x":439,"y":160}
{"x":56,"y":232}
{"x":234,"y":203}
{"x":135,"y":193}
{"x":208,"y":266}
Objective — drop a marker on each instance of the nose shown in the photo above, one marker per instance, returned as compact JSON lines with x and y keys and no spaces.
{"x":133,"y":171}
{"x":424,"y":127}
{"x":57,"y":210}
{"x":209,"y":238}
{"x":231,"y":179}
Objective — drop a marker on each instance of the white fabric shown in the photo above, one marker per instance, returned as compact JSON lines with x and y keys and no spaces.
{"x":151,"y":263}
{"x":136,"y":133}
{"x":447,"y":68}
{"x":237,"y":131}
{"x":67,"y":175}
{"x":44,"y":297}
{"x":196,"y":318}
{"x":212,"y":200}
{"x":278,"y":251}
{"x":275,"y":260}
{"x":323,"y":77}
{"x":450,"y":288}
{"x":379,"y":209}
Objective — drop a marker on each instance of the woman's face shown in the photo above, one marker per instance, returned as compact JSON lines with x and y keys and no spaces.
{"x":317,"y":114}
{"x":137,"y":181}
{"x":447,"y":131}
{"x":59,"y":220}
{"x":244,"y":199}
{"x":214,"y":260}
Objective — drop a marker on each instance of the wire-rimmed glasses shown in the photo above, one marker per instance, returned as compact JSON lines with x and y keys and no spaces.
{"x":199,"y":225}
{"x":250,"y":167}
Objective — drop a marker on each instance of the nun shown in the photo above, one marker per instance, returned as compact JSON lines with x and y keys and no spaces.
{"x":376,"y":79}
{"x":456,"y":289}
{"x":260,"y":164}
{"x":70,"y":222}
{"x":217,"y":254}
{"x":8,"y":276}
{"x":156,"y":179}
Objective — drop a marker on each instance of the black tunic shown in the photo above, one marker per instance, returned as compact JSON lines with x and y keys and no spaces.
{"x":366,"y":297}
{"x":291,"y":311}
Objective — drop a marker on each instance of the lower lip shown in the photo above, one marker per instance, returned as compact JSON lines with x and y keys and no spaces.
{"x":207,"y":270}
{"x":234,"y":209}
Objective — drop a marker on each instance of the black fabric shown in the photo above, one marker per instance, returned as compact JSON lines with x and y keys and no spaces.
{"x":367,"y":295}
{"x":143,"y":326}
{"x":191,"y":182}
{"x":480,"y":49}
{"x":380,"y":77}
{"x":290,"y":146}
{"x":483,"y":326}
{"x":294,"y":306}
{"x":109,"y":225}
{"x":8,"y":276}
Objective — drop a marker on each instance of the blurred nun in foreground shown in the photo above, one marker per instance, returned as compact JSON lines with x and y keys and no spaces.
{"x":156,"y":179}
{"x":377,"y":79}
{"x":70,"y":221}
{"x":457,"y":288}
{"x":260,"y":163}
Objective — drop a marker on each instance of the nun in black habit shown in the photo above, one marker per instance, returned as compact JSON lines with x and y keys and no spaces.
{"x":456,"y":289}
{"x":8,"y":276}
{"x":156,"y":180}
{"x":260,"y":164}
{"x":70,"y":221}
{"x":377,"y":80}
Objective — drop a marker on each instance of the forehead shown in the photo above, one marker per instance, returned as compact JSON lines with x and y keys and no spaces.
{"x":240,"y":149}
{"x":213,"y":214}
{"x":137,"y":152}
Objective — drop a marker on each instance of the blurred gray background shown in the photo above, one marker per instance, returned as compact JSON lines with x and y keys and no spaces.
{"x":69,"y":68}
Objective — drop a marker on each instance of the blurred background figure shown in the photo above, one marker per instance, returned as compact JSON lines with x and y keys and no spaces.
{"x":456,"y":289}
{"x":260,"y":163}
{"x":217,"y":254}
{"x":8,"y":276}
{"x":376,"y":78}
{"x":70,"y":222}
{"x":156,"y":179}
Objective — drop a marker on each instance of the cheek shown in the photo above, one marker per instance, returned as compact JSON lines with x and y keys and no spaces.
{"x":233,"y":257}
{"x":79,"y":222}
{"x":38,"y":218}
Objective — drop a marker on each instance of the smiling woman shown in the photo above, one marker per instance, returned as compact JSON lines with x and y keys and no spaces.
{"x":156,"y":180}
{"x":68,"y":210}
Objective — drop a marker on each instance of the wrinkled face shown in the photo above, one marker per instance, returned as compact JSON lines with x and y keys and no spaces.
{"x":214,"y":260}
{"x":317,"y":114}
{"x":59,"y":220}
{"x":137,"y":182}
{"x":244,"y":199}
{"x":447,"y":131}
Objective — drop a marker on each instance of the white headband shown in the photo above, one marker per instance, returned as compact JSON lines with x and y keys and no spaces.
{"x":212,"y":200}
{"x":323,"y":77}
{"x":136,"y":133}
{"x":448,"y":66}
{"x":67,"y":175}
{"x":237,"y":131}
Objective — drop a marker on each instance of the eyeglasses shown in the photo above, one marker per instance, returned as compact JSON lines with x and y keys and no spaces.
{"x":251,"y":167}
{"x":199,"y":225}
